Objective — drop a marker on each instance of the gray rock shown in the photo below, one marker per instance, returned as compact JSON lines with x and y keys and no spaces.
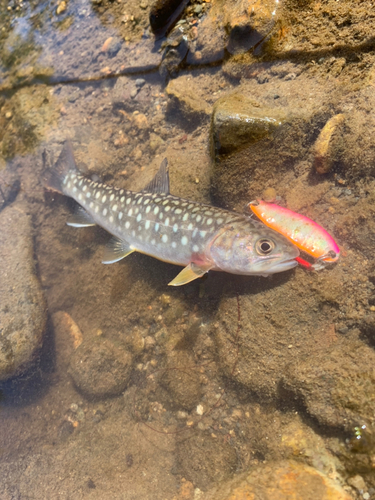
{"x":22,"y":306}
{"x":210,"y":44}
{"x":100,"y":369}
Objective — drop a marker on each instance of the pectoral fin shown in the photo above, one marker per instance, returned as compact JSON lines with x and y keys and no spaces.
{"x":116,"y":250}
{"x":81,"y":219}
{"x":190,"y":273}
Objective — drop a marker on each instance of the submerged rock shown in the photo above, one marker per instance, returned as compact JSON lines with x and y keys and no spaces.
{"x":279,"y":481}
{"x":239,"y":121}
{"x":336,"y":387}
{"x":187,"y":98}
{"x":100,"y":369}
{"x":22,"y":307}
{"x":327,"y":146}
{"x":181,"y":380}
{"x":204,"y":459}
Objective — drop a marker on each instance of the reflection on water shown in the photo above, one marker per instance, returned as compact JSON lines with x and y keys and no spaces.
{"x":114,"y":385}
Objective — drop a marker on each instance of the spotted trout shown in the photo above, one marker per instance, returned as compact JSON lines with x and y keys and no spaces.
{"x":197,"y":236}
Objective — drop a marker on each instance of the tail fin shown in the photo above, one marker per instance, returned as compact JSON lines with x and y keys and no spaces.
{"x":54,"y":177}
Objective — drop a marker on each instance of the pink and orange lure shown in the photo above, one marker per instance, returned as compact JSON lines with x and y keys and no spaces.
{"x":306,"y":234}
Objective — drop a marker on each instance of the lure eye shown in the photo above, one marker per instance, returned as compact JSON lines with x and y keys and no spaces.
{"x":264,"y":247}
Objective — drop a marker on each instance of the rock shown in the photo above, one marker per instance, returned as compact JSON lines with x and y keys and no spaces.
{"x":249,"y":22}
{"x":334,"y":386}
{"x":185,"y":95}
{"x":204,"y":459}
{"x":9,"y":187}
{"x":279,"y":481}
{"x":181,"y":381}
{"x":210,"y":43}
{"x":327,"y":146}
{"x":100,"y":369}
{"x":358,"y":483}
{"x":238,"y":121}
{"x":155,"y":142}
{"x":22,"y":307}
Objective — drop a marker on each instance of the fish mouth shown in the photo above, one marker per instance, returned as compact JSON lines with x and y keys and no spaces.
{"x":284,"y":265}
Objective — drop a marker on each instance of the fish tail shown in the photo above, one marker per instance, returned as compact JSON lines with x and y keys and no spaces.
{"x":54,"y":177}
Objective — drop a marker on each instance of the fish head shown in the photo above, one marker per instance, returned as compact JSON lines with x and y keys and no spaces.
{"x":248,"y":247}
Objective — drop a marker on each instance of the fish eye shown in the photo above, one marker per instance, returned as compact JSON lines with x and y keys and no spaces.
{"x":264,"y":247}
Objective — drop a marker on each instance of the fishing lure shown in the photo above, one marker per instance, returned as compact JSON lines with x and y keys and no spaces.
{"x":306,"y":234}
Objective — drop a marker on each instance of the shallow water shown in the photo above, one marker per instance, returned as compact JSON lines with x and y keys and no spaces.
{"x":132,"y":389}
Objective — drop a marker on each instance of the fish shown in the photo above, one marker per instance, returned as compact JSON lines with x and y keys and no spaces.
{"x":306,"y":234}
{"x":154,"y":222}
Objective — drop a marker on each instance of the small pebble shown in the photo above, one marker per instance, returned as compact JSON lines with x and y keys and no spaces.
{"x":140,"y":82}
{"x":61,"y":8}
{"x":134,"y":93}
{"x":8,"y":115}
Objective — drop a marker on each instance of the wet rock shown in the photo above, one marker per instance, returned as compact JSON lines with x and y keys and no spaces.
{"x":249,"y":22}
{"x":239,"y":121}
{"x":334,"y":386}
{"x":279,"y":481}
{"x":274,"y":332}
{"x":9,"y":187}
{"x":100,"y":369}
{"x":210,"y":43}
{"x":204,"y":459}
{"x":186,"y":96}
{"x":22,"y":306}
{"x":181,"y":381}
{"x":327,"y":146}
{"x":177,"y":47}
{"x":250,"y":145}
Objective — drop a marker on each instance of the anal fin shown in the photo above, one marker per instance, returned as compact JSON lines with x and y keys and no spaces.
{"x":116,"y":250}
{"x":189,"y":273}
{"x":80,"y":219}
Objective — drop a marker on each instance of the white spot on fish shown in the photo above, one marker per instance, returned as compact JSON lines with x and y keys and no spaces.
{"x":80,"y":182}
{"x":153,"y":242}
{"x":195,"y":248}
{"x":84,"y":188}
{"x":147,"y":224}
{"x":157,"y":226}
{"x":130,"y":212}
{"x":185,"y":217}
{"x":104,"y":198}
{"x":199,"y":218}
{"x":174,"y":244}
{"x":80,"y":196}
{"x":127,"y":224}
{"x":110,"y":218}
{"x":97,"y":209}
{"x":128,"y":200}
{"x":166,"y":222}
{"x":105,"y":212}
{"x":164,"y":238}
{"x":97,"y":194}
{"x":175,"y":228}
{"x":139,"y":217}
{"x":202,"y":233}
{"x":178,"y":211}
{"x":122,"y":199}
{"x":92,"y":204}
{"x":140,"y":200}
{"x":167,"y":208}
{"x":120,"y":215}
{"x":69,"y":185}
{"x":156,"y":210}
{"x":194,"y":233}
{"x":148,"y":209}
{"x":74,"y":189}
{"x":209,"y":221}
{"x":190,"y":226}
{"x":161,"y":215}
{"x":112,"y":197}
{"x":147,"y":201}
{"x":114,"y":208}
{"x":220,"y":221}
{"x":184,"y":240}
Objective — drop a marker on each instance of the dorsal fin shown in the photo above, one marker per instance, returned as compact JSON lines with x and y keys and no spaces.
{"x":160,"y":183}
